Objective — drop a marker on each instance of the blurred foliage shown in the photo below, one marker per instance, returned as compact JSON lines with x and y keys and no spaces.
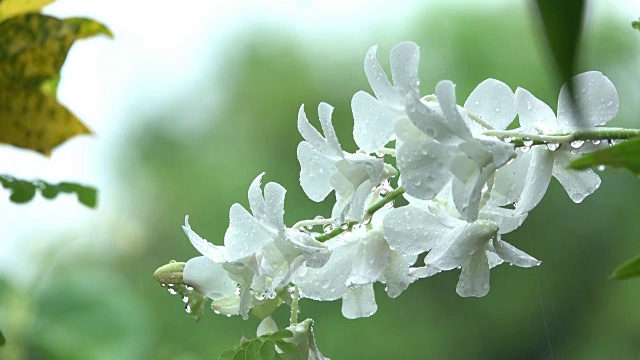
{"x":23,"y":191}
{"x":105,"y":307}
{"x":9,"y":8}
{"x":629,"y":269}
{"x":623,"y":155}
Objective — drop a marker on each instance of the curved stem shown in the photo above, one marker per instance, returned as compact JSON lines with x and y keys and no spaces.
{"x":602,"y":133}
{"x":370,"y":211}
{"x":294,"y":305}
{"x":314,"y":222}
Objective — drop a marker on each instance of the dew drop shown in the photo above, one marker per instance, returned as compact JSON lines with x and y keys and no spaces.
{"x":507,"y":139}
{"x":317,"y":218}
{"x":380,"y":154}
{"x":309,"y":227}
{"x":187,"y":308}
{"x":327,"y":228}
{"x":600,"y":167}
{"x":185,"y":299}
{"x":527,"y":141}
{"x":389,"y":205}
{"x":525,"y":149}
{"x":366,"y":221}
{"x":172,"y":291}
{"x":576,"y":144}
{"x":188,"y":287}
{"x":574,"y":152}
{"x":344,"y":226}
{"x":529,"y":106}
{"x":216,"y":312}
{"x":595,"y":142}
{"x":609,"y":103}
{"x":553,"y":146}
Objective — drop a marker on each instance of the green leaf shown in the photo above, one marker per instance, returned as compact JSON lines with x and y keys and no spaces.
{"x":9,"y":8}
{"x":268,"y":350}
{"x":23,"y":191}
{"x":279,"y":335}
{"x":627,"y":270}
{"x":253,"y":350}
{"x":562,"y":22}
{"x":2,"y":339}
{"x":227,"y":354}
{"x":289,"y":349}
{"x":623,"y":155}
{"x":635,"y":24}
{"x":267,"y":307}
{"x":33,"y":48}
{"x":195,"y":303}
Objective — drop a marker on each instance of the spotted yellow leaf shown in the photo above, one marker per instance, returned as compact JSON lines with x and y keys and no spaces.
{"x":9,"y":8}
{"x":33,"y":120}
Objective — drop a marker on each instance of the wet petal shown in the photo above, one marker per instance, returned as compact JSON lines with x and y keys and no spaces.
{"x":368,"y":265}
{"x":506,"y":219}
{"x":313,"y":137}
{"x":324,"y":113}
{"x":372,"y":122}
{"x":208,"y":278}
{"x":396,"y":274}
{"x":214,"y":253}
{"x":467,"y":195}
{"x":596,"y":103}
{"x":274,"y":200}
{"x":267,"y":326}
{"x":256,"y":200}
{"x":493,"y":101}
{"x":577,"y":184}
{"x":315,"y":253}
{"x":445,"y":92}
{"x":455,"y":248}
{"x":315,"y":171}
{"x":423,"y":272}
{"x":382,"y":88}
{"x":512,"y":255}
{"x":245,"y":235}
{"x":474,"y":279}
{"x":423,"y":167}
{"x":410,"y":230}
{"x":508,"y":182}
{"x":405,"y":58}
{"x":533,"y":113}
{"x":359,"y":302}
{"x":243,"y":272}
{"x":536,"y":179}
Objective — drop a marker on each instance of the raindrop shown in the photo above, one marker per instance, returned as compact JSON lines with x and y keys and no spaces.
{"x":356,"y":227}
{"x":553,"y":146}
{"x":477,"y":102}
{"x":238,"y":290}
{"x":595,"y":142}
{"x":187,"y":308}
{"x":389,"y":205}
{"x":216,"y":312}
{"x":574,"y":152}
{"x":507,"y":139}
{"x":327,"y":228}
{"x":609,"y":103}
{"x":576,"y":144}
{"x":188,"y":287}
{"x":600,"y":167}
{"x":366,"y":221}
{"x":309,"y":227}
{"x":172,"y":291}
{"x":185,"y":299}
{"x":228,"y":315}
{"x":163,"y":284}
{"x":529,"y":106}
{"x":317,"y":218}
{"x":527,"y":141}
{"x":525,"y":149}
{"x":344,"y":226}
{"x":380,"y":154}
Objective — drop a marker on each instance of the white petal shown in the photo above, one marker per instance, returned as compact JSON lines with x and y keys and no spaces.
{"x":315,"y":171}
{"x":274,"y":200}
{"x":578,"y":184}
{"x":429,"y":118}
{"x":359,"y":302}
{"x":506,"y":219}
{"x":405,"y":58}
{"x":368,"y":265}
{"x":474,"y":279}
{"x":536,"y":180}
{"x":243,"y":272}
{"x":533,"y":113}
{"x":329,"y":281}
{"x":373,"y":122}
{"x":208,"y":278}
{"x":245,"y":235}
{"x":373,"y":166}
{"x":467,"y":196}
{"x":315,"y":253}
{"x":508,"y":182}
{"x":385,"y":92}
{"x":213,"y":252}
{"x":410,"y":230}
{"x":396,"y":275}
{"x":313,"y":137}
{"x":324,"y":114}
{"x":423,"y":167}
{"x":423,"y":272}
{"x":512,"y":255}
{"x":256,"y":200}
{"x":445,"y":92}
{"x":596,"y":103}
{"x":267,"y":326}
{"x":493,"y":101}
{"x":455,"y":248}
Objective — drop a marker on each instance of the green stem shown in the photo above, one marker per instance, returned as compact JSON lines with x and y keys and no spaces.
{"x":370,"y":211}
{"x":518,"y":137}
{"x":294,"y":305}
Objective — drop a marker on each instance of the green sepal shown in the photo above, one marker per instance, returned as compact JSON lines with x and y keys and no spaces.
{"x":627,"y":270}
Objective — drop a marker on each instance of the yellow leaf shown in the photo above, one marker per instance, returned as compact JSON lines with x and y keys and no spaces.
{"x":32,"y":120}
{"x":9,"y":8}
{"x":33,"y":47}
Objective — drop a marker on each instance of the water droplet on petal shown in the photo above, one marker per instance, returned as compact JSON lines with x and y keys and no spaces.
{"x":327,"y":228}
{"x":595,"y":142}
{"x":317,"y":218}
{"x":527,"y":141}
{"x":553,"y":146}
{"x":389,"y":205}
{"x":576,"y":144}
{"x":344,"y":226}
{"x":309,"y":227}
{"x":609,"y":103}
{"x":507,"y":139}
{"x":525,"y":149}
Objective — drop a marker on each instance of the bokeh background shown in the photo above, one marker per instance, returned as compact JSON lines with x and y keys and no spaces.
{"x":192,"y":100}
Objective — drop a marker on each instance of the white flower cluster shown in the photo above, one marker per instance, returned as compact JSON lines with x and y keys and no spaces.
{"x":465,"y":190}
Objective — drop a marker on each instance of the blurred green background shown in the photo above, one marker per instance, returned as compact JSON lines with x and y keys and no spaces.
{"x":105,"y":305}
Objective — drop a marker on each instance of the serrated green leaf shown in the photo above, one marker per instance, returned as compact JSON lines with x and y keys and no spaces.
{"x":9,"y":8}
{"x":289,"y":349}
{"x":562,"y":22}
{"x":279,"y":335}
{"x":2,"y":339}
{"x":227,"y":354}
{"x":623,"y":155}
{"x":629,"y":269}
